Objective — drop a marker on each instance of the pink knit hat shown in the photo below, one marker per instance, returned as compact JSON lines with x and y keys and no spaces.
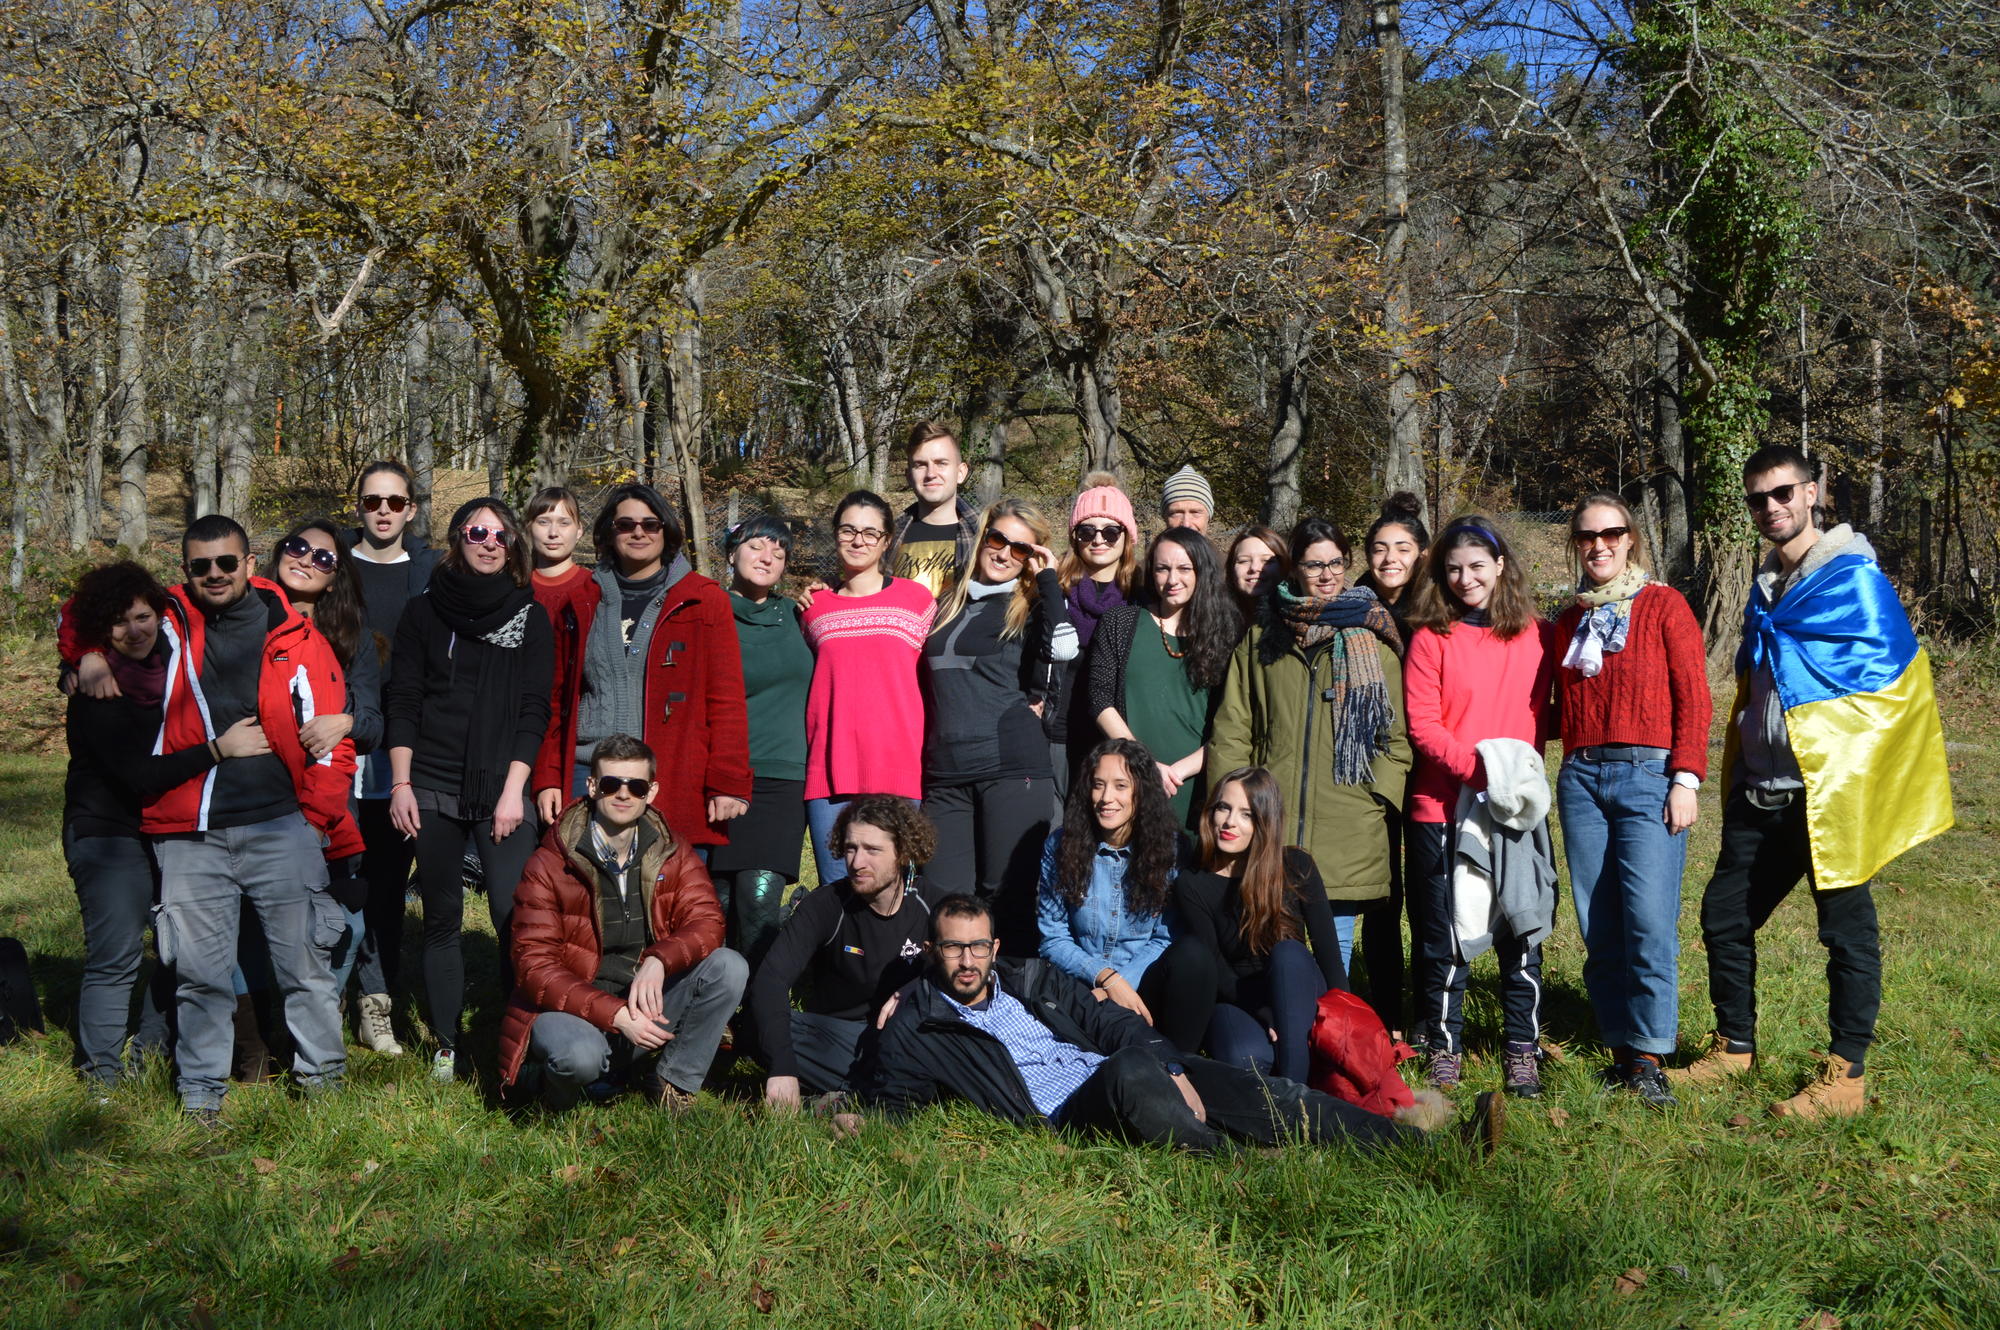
{"x":1105,"y":499}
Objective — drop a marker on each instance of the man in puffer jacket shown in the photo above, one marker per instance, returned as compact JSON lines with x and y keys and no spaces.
{"x":617,"y":946}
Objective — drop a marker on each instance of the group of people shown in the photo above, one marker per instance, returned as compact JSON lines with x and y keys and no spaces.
{"x":1095,"y":831}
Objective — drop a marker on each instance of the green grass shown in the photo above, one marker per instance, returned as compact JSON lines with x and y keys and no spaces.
{"x":403,"y":1203}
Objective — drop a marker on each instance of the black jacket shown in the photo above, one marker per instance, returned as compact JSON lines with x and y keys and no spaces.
{"x":928,"y":1053}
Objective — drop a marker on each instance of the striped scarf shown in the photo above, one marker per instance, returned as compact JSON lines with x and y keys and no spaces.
{"x":1351,"y":624}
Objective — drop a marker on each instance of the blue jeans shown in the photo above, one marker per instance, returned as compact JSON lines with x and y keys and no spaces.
{"x":206,"y":879}
{"x":821,"y":814}
{"x":1625,"y":877}
{"x":1344,"y":915}
{"x":114,"y":880}
{"x":1290,"y":988}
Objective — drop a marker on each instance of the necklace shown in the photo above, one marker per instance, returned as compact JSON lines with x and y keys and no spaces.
{"x":1167,"y":643}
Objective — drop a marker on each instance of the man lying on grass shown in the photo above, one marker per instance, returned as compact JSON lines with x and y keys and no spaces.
{"x":1025,"y":1042}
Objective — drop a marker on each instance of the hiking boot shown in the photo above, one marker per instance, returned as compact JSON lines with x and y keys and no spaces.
{"x":1715,"y":1064}
{"x":444,"y":1066}
{"x":669,"y":1098}
{"x":1521,"y":1072}
{"x":205,"y":1120}
{"x":376,"y":1032}
{"x":1834,"y":1093}
{"x":1444,"y":1069}
{"x":1483,"y":1130}
{"x":1643,"y":1079}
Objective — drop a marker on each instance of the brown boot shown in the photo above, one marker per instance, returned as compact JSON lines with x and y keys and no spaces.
{"x":1716,"y":1064}
{"x":1834,"y":1093}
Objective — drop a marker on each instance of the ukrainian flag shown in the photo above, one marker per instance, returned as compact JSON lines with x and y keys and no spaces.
{"x":1863,"y":721}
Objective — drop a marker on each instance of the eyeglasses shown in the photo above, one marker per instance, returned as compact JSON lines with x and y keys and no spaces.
{"x":865,"y":536}
{"x":374,"y":503}
{"x":485,"y":535}
{"x":1021,"y":548}
{"x":980,"y":948}
{"x":297,"y":548}
{"x":1611,"y":535}
{"x":1083,"y":533}
{"x":224,"y":563}
{"x":1321,"y":567}
{"x":1778,"y":494}
{"x":625,"y":526}
{"x":610,"y":785}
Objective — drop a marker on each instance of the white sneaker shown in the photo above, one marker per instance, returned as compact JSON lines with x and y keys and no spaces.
{"x":444,"y":1067}
{"x":376,"y":1032}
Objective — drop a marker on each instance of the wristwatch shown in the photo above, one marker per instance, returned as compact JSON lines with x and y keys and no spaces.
{"x":1687,"y":780}
{"x":1176,"y":1069}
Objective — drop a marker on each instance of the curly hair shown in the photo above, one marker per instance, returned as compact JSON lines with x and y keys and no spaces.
{"x":104,"y":594}
{"x":1211,"y":624}
{"x":914,"y":836}
{"x":1155,"y":838}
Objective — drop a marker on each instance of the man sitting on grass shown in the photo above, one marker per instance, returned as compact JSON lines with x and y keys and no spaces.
{"x":1025,"y":1042}
{"x":617,"y":946}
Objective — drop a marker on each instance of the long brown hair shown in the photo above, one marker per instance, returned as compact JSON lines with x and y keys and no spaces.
{"x":1508,"y":611}
{"x":1273,"y":542}
{"x":340,"y":616}
{"x":1022,"y":602}
{"x":1262,"y":882}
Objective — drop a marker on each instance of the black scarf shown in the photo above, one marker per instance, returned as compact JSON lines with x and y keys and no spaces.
{"x":487,"y":615}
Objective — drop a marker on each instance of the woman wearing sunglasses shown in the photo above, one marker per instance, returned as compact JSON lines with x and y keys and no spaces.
{"x":865,"y":713}
{"x":987,"y":661}
{"x":656,"y":657}
{"x":1099,"y":573}
{"x":1632,"y":697}
{"x":467,"y":709}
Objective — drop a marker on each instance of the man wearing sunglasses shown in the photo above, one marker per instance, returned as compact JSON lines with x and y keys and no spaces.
{"x":1025,"y":1042}
{"x":617,"y":948}
{"x":251,"y":834}
{"x":1835,"y":763}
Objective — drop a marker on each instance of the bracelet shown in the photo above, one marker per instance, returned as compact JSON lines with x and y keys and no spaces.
{"x":399,"y":785}
{"x":1110,"y":970}
{"x":215,"y":750}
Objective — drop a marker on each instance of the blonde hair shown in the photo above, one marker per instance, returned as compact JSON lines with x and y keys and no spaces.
{"x":1022,"y":602}
{"x":1601,"y":499}
{"x":1070,"y":568}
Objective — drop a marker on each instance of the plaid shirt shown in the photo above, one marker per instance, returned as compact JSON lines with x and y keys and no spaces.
{"x":1051,"y":1068}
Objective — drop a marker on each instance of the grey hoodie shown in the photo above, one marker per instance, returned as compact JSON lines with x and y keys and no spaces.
{"x":1764,"y":758}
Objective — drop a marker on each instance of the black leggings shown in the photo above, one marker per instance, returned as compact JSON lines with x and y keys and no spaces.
{"x":385,"y":864}
{"x":441,"y":843}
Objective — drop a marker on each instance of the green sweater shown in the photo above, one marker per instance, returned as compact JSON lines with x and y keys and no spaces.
{"x":777,"y":675}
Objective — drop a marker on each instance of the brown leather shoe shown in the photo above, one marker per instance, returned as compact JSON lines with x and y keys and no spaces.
{"x":668,"y":1097}
{"x":1833,"y":1093}
{"x":1715,"y":1064}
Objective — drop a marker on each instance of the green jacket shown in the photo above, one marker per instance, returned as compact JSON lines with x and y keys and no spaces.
{"x":1271,"y":715}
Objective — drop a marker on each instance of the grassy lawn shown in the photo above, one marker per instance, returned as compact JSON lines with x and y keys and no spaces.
{"x":403,"y":1203}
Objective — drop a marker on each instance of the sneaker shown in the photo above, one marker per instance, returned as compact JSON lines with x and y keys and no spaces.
{"x":1521,"y":1072}
{"x":1833,"y":1093}
{"x":1644,"y":1079}
{"x":1488,"y":1123}
{"x":1715,"y":1064}
{"x":376,"y":1032}
{"x":444,"y":1067}
{"x":206,"y":1120}
{"x":1444,"y":1069}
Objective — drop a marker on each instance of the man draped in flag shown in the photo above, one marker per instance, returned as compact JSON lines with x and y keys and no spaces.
{"x":1835,"y":765}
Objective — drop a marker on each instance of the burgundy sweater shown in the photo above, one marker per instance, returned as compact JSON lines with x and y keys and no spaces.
{"x":1653,"y":693}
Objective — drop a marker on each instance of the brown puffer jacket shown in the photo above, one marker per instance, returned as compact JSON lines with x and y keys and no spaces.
{"x":559,"y":937}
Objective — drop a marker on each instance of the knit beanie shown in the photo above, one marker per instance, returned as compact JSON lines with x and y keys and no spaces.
{"x":1187,"y":483}
{"x":1103,"y":498}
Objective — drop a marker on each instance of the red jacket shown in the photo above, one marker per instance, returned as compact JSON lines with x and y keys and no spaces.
{"x":559,"y":937}
{"x":299,"y":678}
{"x":694,"y":715}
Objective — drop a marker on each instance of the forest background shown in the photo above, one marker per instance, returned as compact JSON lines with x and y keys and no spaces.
{"x":1494,"y":253}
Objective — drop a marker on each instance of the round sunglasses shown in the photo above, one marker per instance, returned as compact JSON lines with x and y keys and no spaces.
{"x":485,"y":535}
{"x":297,"y":548}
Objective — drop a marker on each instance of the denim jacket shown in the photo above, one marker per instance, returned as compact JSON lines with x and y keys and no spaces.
{"x":1102,"y":930}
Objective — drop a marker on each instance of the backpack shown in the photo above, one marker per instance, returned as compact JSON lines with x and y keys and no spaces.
{"x":20,"y":1012}
{"x":1353,"y":1057}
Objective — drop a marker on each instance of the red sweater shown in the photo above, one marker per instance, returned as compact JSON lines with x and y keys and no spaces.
{"x":1461,"y":689}
{"x":1653,"y":693}
{"x":865,"y":713}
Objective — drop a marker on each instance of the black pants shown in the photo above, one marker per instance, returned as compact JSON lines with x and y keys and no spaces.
{"x":826,"y":1047}
{"x":1131,"y":1096}
{"x":1382,"y":938}
{"x":1441,"y":971}
{"x":441,"y":845}
{"x":989,"y":843}
{"x":1179,"y":990}
{"x":385,"y":864}
{"x":1764,"y":855}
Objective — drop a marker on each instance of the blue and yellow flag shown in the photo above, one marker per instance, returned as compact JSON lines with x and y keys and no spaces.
{"x":1856,"y":688}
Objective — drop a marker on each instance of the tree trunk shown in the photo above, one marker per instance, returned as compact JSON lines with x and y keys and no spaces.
{"x":1291,"y":421}
{"x":1403,"y":469}
{"x":1872,"y":519}
{"x":689,"y":416}
{"x":236,"y":431}
{"x":129,"y":400}
{"x":420,"y":424}
{"x":1666,"y":486}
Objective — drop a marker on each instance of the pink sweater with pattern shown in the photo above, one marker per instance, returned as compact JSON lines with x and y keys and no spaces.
{"x":865,"y":713}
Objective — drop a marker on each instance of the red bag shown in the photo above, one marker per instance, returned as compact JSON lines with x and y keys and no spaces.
{"x":1353,"y":1057}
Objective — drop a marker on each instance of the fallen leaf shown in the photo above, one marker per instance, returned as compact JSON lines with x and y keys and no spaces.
{"x":486,"y":1161}
{"x":624,"y":1245}
{"x":1823,"y":1320}
{"x":347,"y":1261}
{"x":1741,"y":1120}
{"x":201,"y":1316}
{"x":264,"y":1165}
{"x":73,"y":1280}
{"x":369,"y":1166}
{"x":1630,"y":1282}
{"x":762,"y":1298}
{"x":994,"y":1247}
{"x":1558,"y":1116}
{"x":568,"y":1172}
{"x":390,"y":1088}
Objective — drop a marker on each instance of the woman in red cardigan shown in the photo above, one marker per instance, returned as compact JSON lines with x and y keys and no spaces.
{"x":1478,"y":668}
{"x":1635,"y":707}
{"x":654,"y":656}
